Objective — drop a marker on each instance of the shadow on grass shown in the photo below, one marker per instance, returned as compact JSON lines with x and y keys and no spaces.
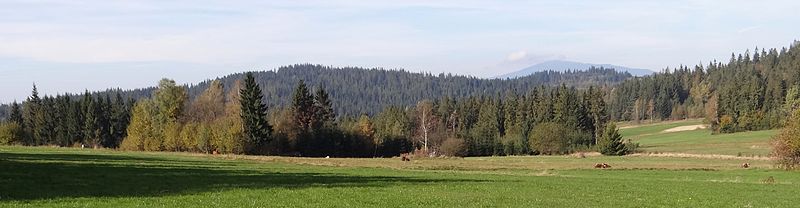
{"x":50,"y":176}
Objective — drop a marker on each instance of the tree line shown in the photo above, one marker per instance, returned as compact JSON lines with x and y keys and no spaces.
{"x":545,"y":120}
{"x":68,"y":120}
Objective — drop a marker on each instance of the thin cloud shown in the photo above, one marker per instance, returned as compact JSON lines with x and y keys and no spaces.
{"x":516,"y":56}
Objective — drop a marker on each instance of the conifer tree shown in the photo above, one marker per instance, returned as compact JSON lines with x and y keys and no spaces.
{"x":610,"y":143}
{"x":16,"y":114}
{"x":486,"y":131}
{"x":32,"y":118}
{"x":254,"y":116}
{"x":91,"y":127}
{"x":303,"y":107}
{"x":120,"y":118}
{"x":323,"y":109}
{"x":48,"y":119}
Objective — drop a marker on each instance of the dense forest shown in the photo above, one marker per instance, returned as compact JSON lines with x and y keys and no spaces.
{"x":360,"y":90}
{"x":312,"y":110}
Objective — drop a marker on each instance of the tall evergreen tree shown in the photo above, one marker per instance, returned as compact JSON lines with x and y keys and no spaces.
{"x":323,"y":108}
{"x":254,"y":116}
{"x":48,"y":119}
{"x":487,"y":131}
{"x":91,"y":127}
{"x":32,"y":117}
{"x":303,"y":107}
{"x":63,"y":136}
{"x":120,"y":118}
{"x":104,"y":122}
{"x":16,"y":114}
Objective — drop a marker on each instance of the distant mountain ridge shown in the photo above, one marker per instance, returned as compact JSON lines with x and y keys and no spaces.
{"x":561,"y":65}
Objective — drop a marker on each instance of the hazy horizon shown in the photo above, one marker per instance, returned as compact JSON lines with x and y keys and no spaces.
{"x":95,"y":45}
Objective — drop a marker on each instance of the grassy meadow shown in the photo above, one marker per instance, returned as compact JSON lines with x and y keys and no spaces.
{"x":69,"y":177}
{"x":653,"y":138}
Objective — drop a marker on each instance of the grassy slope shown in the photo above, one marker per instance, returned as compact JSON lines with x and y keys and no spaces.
{"x":653,"y":139}
{"x":58,"y":177}
{"x":628,"y":129}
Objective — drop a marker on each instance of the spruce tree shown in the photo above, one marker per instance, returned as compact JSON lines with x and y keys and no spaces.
{"x":303,"y":107}
{"x":104,"y":121}
{"x":486,"y":131}
{"x":31,"y":117}
{"x":16,"y":114}
{"x":91,"y":133}
{"x":303,"y":111}
{"x":323,"y":109}
{"x":47,"y":121}
{"x":322,"y":125}
{"x":119,"y":118}
{"x":254,"y":116}
{"x":610,"y":143}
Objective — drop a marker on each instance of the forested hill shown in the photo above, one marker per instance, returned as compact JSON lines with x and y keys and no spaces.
{"x":357,"y":90}
{"x":752,"y":91}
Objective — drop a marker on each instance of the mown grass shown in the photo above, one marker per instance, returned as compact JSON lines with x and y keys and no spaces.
{"x":652,"y":138}
{"x":630,"y":129}
{"x":63,"y":177}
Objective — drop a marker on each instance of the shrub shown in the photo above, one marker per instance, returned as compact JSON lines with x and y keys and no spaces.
{"x":727,"y":124}
{"x":10,"y":133}
{"x":552,"y":138}
{"x":786,"y":144}
{"x":453,"y":147}
{"x":631,"y":147}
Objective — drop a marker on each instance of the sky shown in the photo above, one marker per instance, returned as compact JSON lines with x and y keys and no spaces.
{"x":72,"y":46}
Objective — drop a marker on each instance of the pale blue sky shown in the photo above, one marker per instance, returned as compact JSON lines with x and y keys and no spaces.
{"x":69,"y":46}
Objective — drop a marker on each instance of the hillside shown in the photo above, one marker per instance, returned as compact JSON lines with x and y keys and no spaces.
{"x":369,"y":90}
{"x":561,"y":65}
{"x":675,"y":137}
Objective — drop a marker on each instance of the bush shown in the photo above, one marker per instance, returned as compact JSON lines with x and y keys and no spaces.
{"x":786,"y":144}
{"x":10,"y":133}
{"x":727,"y":124}
{"x":454,"y":147}
{"x":555,"y":138}
{"x":631,"y":147}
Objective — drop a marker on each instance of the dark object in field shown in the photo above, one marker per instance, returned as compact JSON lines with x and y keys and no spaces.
{"x":405,"y":157}
{"x":601,"y":165}
{"x":745,"y":165}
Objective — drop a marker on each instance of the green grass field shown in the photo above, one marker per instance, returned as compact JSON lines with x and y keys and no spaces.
{"x":653,"y":139}
{"x":66,"y":177}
